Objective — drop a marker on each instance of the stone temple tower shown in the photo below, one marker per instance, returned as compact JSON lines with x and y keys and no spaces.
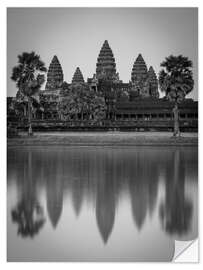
{"x":153,"y":83}
{"x":144,"y":81}
{"x":78,"y":77}
{"x":139,"y":70}
{"x":54,"y":75}
{"x":106,"y":66}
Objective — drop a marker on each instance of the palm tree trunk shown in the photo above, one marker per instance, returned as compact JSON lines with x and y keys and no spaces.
{"x":24,"y":110}
{"x":176,"y":131}
{"x":29,"y":118}
{"x":82,"y":117}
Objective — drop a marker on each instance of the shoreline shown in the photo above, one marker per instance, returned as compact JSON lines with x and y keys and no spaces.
{"x":105,"y":139}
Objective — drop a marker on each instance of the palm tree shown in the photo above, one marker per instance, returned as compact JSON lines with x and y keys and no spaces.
{"x":29,"y":76}
{"x":176,"y":81}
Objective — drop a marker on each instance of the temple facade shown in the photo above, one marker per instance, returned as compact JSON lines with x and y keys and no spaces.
{"x":133,"y":105}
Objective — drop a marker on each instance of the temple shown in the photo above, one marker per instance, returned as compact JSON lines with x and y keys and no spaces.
{"x":134,"y":105}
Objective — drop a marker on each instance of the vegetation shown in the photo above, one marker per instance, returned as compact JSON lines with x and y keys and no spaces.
{"x":176,"y":81}
{"x":29,"y":76}
{"x":80,"y":101}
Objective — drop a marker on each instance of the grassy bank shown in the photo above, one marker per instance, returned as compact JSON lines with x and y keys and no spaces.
{"x":105,"y":139}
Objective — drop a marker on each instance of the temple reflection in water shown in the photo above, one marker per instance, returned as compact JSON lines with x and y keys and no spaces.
{"x":100,"y":178}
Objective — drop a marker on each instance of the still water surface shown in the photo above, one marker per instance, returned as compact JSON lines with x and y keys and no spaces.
{"x":100,"y":203}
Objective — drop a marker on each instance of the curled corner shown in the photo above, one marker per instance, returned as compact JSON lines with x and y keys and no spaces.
{"x":186,"y":251}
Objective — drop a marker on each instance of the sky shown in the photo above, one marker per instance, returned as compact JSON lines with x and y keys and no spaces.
{"x":76,"y":36}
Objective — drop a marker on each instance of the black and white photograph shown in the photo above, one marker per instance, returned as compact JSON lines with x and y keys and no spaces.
{"x":102,"y":133}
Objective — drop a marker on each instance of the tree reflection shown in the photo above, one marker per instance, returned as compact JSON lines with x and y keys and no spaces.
{"x":176,"y":211}
{"x":28,"y":214}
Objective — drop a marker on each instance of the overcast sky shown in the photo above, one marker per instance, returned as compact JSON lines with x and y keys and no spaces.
{"x":76,"y":35}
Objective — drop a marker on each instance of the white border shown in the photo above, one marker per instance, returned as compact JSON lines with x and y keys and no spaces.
{"x":93,"y":3}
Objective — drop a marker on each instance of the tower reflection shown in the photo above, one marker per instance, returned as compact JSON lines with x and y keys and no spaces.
{"x":102,"y":178}
{"x":105,"y":199}
{"x":54,"y":189}
{"x":143,"y":185}
{"x":77,"y":196}
{"x":54,"y":200}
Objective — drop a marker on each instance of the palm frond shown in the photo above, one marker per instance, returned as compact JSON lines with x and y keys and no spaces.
{"x":176,"y":77}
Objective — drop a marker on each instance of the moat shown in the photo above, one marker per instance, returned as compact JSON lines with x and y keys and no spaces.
{"x":100,"y":203}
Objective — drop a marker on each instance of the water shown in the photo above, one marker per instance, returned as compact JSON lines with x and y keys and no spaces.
{"x":100,"y":203}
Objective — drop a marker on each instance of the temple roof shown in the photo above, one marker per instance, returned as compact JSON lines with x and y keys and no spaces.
{"x":151,"y":103}
{"x":78,"y":77}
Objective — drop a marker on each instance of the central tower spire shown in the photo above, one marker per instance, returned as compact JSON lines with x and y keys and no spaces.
{"x":106,"y":66}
